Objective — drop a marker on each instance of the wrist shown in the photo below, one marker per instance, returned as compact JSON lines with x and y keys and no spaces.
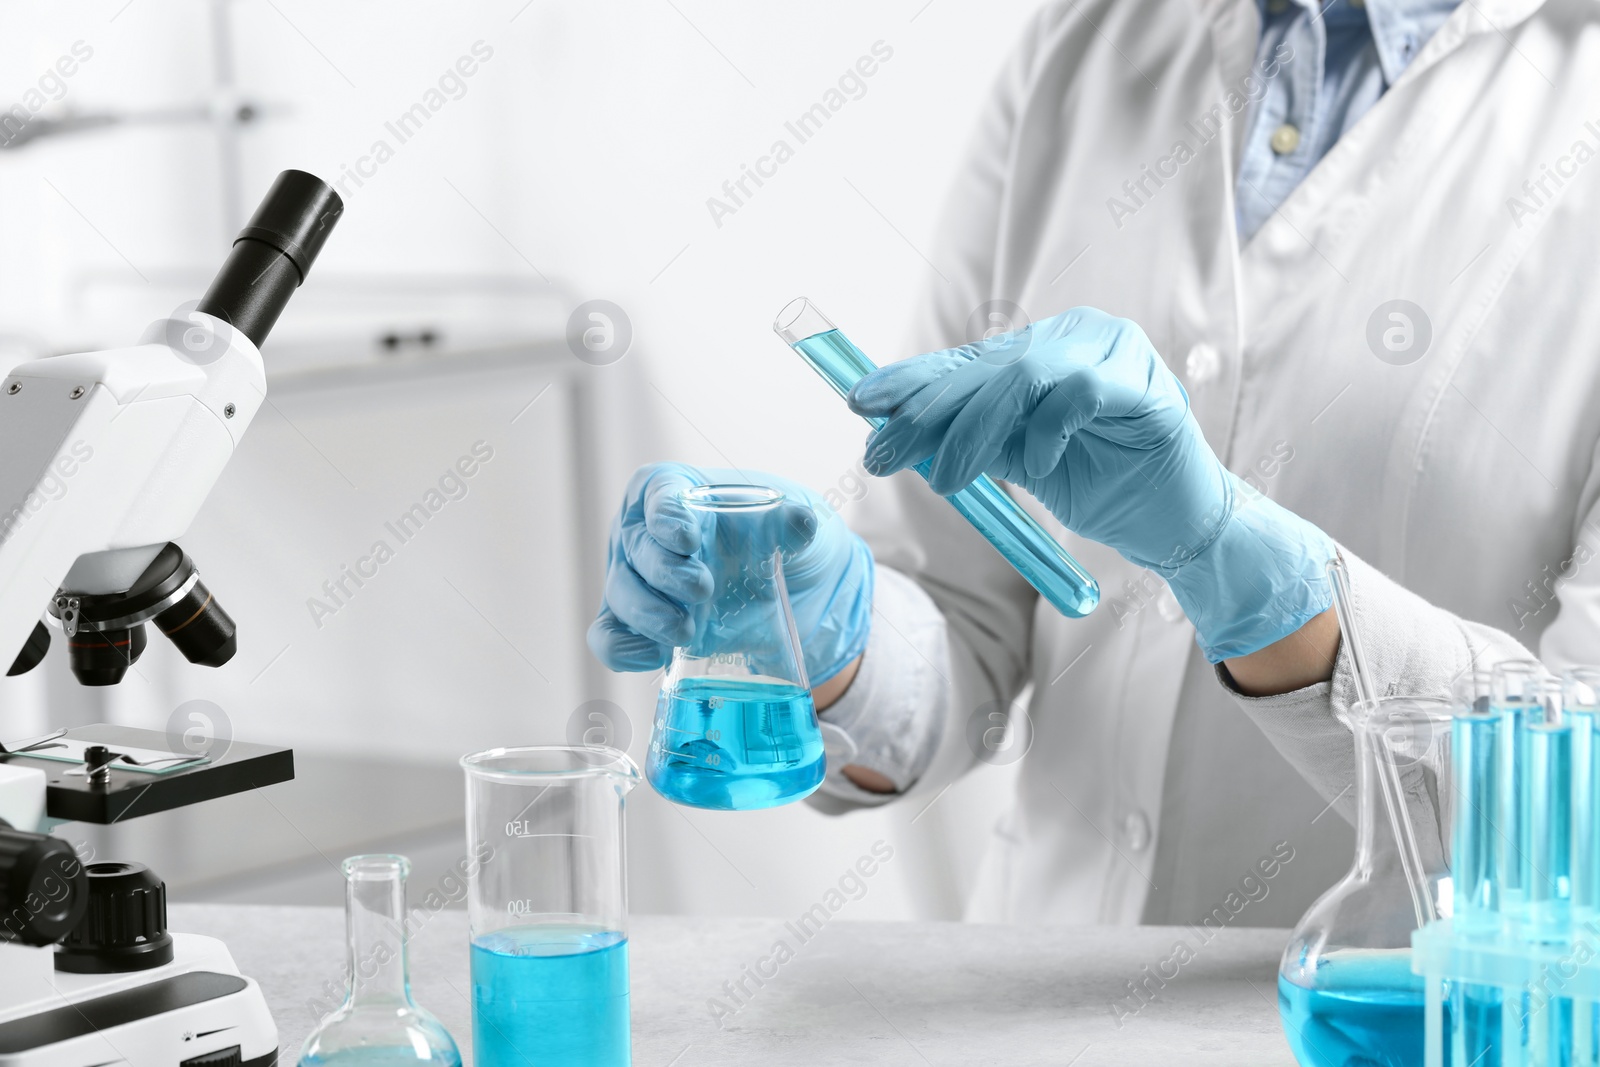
{"x":1260,"y":580}
{"x":1304,"y":658}
{"x":824,"y":694}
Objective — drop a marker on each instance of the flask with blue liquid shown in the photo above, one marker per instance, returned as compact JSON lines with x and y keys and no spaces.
{"x":1347,"y":994}
{"x":379,"y":1024}
{"x":735,"y":727}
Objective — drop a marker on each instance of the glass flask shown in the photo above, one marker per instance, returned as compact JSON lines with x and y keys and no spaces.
{"x":735,"y":728}
{"x":547,"y":905}
{"x":378,"y":1025}
{"x":1346,"y":992}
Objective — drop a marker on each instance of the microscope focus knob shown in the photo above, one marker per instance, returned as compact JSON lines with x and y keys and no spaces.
{"x":42,"y":887}
{"x":125,"y":927}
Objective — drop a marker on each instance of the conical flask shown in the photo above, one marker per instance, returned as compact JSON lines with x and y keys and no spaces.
{"x":378,"y":1025}
{"x":1346,"y":992}
{"x":735,"y":727}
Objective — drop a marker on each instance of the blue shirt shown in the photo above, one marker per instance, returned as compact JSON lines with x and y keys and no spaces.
{"x":1345,"y":54}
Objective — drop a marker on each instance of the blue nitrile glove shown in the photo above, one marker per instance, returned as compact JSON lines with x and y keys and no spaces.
{"x":1080,"y":411}
{"x":651,"y":573}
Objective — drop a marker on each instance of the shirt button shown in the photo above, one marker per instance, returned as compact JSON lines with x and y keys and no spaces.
{"x":1285,"y":139}
{"x":1202,"y":363}
{"x":1135,"y":831}
{"x":1358,"y":4}
{"x":1277,"y":7}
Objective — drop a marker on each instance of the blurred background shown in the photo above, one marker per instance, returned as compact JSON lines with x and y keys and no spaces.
{"x":577,"y":162}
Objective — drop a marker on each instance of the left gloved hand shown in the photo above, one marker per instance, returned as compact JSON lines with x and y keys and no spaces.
{"x":654,"y":581}
{"x":1081,"y":412}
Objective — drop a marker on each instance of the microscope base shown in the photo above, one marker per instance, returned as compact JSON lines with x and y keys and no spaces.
{"x":196,"y":1011}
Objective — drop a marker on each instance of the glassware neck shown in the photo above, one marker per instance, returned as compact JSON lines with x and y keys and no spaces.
{"x":1369,"y":800}
{"x":375,"y":906}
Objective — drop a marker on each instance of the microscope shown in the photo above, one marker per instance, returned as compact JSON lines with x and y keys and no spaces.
{"x":105,"y":459}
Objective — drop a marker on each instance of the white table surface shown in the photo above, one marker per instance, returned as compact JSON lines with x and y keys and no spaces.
{"x":888,"y":994}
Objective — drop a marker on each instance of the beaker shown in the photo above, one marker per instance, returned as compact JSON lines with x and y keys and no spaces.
{"x":378,"y":1025}
{"x":735,"y":727}
{"x":1346,"y":993}
{"x":547,"y":905}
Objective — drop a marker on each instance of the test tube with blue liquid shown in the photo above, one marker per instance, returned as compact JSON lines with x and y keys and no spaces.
{"x":547,"y":906}
{"x":1545,"y":803}
{"x":1025,"y":544}
{"x":1513,"y":695}
{"x":1538,"y":1020}
{"x":1580,"y":701}
{"x":1478,"y":736}
{"x":1478,"y":741}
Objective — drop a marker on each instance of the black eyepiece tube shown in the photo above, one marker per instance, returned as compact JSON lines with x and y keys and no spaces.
{"x":273,"y":254}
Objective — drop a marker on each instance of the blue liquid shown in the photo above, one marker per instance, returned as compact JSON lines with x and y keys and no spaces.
{"x":1512,"y":817}
{"x":550,"y":996}
{"x":1545,"y":783}
{"x":1479,"y":1014}
{"x":1367,"y":1011}
{"x":370,"y":1056}
{"x":1585,"y":813}
{"x":1475,"y":864}
{"x":735,"y":745}
{"x":1047,"y":566}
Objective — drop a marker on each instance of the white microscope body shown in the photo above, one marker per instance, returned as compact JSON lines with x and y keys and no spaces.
{"x":107,"y":456}
{"x":105,"y":459}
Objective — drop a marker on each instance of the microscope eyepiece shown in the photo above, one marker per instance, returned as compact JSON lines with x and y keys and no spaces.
{"x":273,"y":254}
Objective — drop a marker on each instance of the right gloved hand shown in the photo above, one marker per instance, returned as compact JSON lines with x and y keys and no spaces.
{"x":1080,"y":411}
{"x":652,"y":577}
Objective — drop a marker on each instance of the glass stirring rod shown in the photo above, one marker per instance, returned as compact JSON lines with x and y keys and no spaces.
{"x":1058,"y":577}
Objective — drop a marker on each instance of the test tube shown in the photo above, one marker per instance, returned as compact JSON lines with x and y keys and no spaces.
{"x":1580,"y":700}
{"x":1047,"y":566}
{"x":1511,"y":692}
{"x":1478,"y":735}
{"x":1477,"y":740}
{"x":1544,"y":786}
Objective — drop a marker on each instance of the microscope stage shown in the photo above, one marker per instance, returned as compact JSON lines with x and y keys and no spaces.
{"x":71,"y":797}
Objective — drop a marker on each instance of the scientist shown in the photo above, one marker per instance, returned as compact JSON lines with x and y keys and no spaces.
{"x":1327,"y":272}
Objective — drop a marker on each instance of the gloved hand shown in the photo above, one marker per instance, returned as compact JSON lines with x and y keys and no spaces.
{"x":652,"y":576}
{"x":1080,"y":411}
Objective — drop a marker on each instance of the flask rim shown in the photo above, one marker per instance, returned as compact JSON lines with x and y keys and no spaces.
{"x":375,"y":867}
{"x":731,"y":496}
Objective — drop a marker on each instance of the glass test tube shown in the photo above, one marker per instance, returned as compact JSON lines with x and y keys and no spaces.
{"x":1477,"y":737}
{"x":1047,"y":566}
{"x":1511,"y":691}
{"x":1580,"y":701}
{"x":1545,"y":785}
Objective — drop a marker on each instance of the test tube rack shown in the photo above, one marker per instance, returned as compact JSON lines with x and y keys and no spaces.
{"x":1512,"y":976}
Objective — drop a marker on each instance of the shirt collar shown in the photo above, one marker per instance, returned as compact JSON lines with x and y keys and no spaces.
{"x":1401,"y":27}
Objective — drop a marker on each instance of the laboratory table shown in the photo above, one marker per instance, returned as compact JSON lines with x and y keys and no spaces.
{"x":886,"y":994}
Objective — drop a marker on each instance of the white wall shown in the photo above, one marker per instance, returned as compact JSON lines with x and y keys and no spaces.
{"x":576,"y":164}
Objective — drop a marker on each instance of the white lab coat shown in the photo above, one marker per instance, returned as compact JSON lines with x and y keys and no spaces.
{"x":1465,"y":482}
